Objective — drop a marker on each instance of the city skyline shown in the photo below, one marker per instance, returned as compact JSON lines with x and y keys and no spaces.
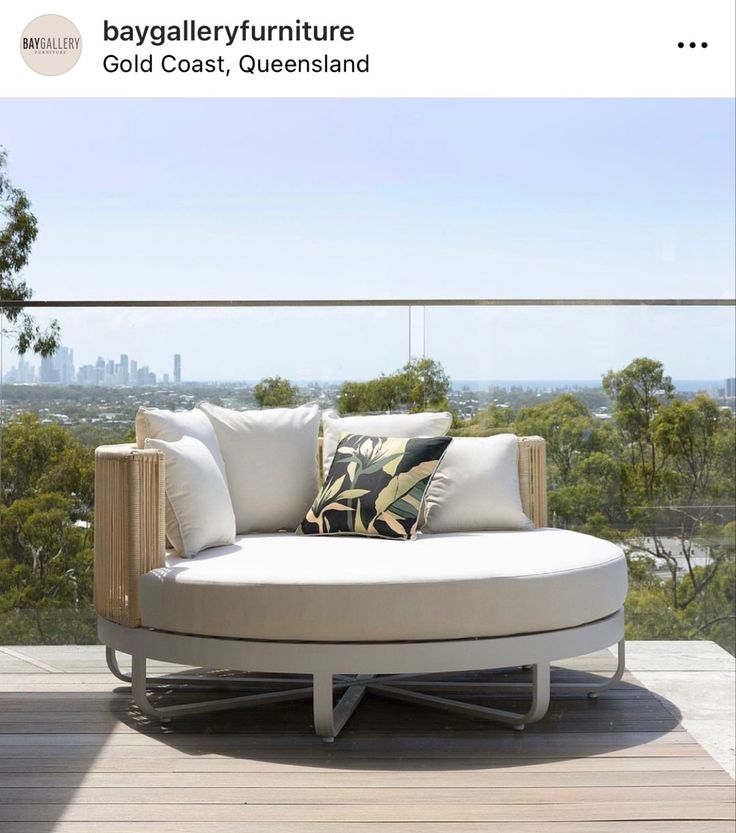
{"x":59,"y":369}
{"x":109,"y":373}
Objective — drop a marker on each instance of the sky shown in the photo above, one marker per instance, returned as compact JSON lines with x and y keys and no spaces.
{"x":370,"y":198}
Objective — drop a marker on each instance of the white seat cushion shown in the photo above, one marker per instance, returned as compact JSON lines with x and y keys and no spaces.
{"x":343,"y":589}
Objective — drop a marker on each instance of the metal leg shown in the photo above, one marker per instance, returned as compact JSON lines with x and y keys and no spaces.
{"x":329,"y":719}
{"x":617,"y":674}
{"x":205,"y":682}
{"x":412,"y":681}
{"x":540,"y":700}
{"x":111,"y":658}
{"x":165,"y":713}
{"x":594,"y":690}
{"x":324,"y":712}
{"x":540,"y":695}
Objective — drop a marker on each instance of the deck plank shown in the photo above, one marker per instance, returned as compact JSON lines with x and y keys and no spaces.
{"x":565,"y":826}
{"x":693,"y":810}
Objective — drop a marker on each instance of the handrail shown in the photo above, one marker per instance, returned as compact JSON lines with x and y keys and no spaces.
{"x":379,"y":302}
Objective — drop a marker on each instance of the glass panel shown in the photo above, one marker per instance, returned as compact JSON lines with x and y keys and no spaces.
{"x":659,"y":482}
{"x":56,"y":411}
{"x":630,"y":458}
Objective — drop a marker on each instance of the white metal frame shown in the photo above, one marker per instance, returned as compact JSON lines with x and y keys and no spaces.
{"x":397,"y":670}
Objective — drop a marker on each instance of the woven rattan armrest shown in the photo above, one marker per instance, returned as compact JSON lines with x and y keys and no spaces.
{"x":533,"y":479}
{"x":129,"y":527}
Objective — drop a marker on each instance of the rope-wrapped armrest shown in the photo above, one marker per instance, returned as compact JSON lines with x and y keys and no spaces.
{"x":533,"y":479}
{"x":130,"y":527}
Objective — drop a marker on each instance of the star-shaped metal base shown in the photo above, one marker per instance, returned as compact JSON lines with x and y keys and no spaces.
{"x":330,"y":716}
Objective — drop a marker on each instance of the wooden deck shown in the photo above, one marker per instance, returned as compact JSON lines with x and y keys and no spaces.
{"x":75,"y":757}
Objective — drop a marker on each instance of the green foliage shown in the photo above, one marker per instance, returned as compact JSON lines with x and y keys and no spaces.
{"x":275,"y":392}
{"x":17,"y":236}
{"x":568,"y":428}
{"x":492,"y":420}
{"x":420,"y":385}
{"x":592,"y":493}
{"x":40,"y":459}
{"x":91,"y":436}
{"x":46,"y":536}
{"x":691,"y":436}
{"x":426,"y":385}
{"x":638,"y":391}
{"x":378,"y":395}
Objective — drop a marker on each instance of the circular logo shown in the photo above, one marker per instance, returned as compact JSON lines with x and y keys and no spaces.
{"x":51,"y":44}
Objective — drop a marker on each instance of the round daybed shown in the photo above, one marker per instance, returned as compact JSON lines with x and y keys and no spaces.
{"x":352,"y":614}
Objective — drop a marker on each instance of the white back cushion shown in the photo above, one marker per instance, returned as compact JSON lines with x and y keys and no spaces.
{"x":201,"y":513}
{"x":427,"y":424}
{"x":476,"y":486}
{"x":270,"y":462}
{"x":159,"y":424}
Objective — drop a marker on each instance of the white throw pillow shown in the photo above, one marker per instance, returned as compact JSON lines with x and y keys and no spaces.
{"x":427,"y":424}
{"x":271,"y":464}
{"x":159,"y":424}
{"x":202,"y":515}
{"x":476,"y":486}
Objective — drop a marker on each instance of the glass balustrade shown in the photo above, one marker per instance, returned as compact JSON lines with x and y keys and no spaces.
{"x":635,"y":400}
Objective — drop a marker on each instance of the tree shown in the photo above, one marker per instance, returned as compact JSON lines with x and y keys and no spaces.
{"x":569,"y":431}
{"x":492,"y":420}
{"x":380,"y":395}
{"x":427,"y":386}
{"x":420,"y":385}
{"x":688,"y":434}
{"x":45,"y":534}
{"x":637,"y":392}
{"x":275,"y":392}
{"x":673,"y":473}
{"x":591,"y":500}
{"x":16,"y":239}
{"x":41,"y":458}
{"x":695,"y":439}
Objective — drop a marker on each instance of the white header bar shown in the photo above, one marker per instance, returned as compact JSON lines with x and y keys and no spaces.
{"x":383,"y":48}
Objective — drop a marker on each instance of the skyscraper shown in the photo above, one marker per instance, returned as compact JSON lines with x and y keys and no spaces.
{"x":49,"y":374}
{"x":64,"y":358}
{"x":24,"y":374}
{"x":124,"y":371}
{"x":177,"y":369}
{"x":730,"y":388}
{"x":58,"y":369}
{"x":87,"y":375}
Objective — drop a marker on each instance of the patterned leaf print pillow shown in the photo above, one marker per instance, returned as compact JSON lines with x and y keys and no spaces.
{"x":375,"y":486}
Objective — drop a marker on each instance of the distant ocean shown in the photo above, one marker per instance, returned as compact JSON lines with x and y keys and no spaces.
{"x":684,"y":385}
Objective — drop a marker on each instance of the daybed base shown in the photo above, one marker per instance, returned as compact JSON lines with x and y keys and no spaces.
{"x":393,"y":670}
